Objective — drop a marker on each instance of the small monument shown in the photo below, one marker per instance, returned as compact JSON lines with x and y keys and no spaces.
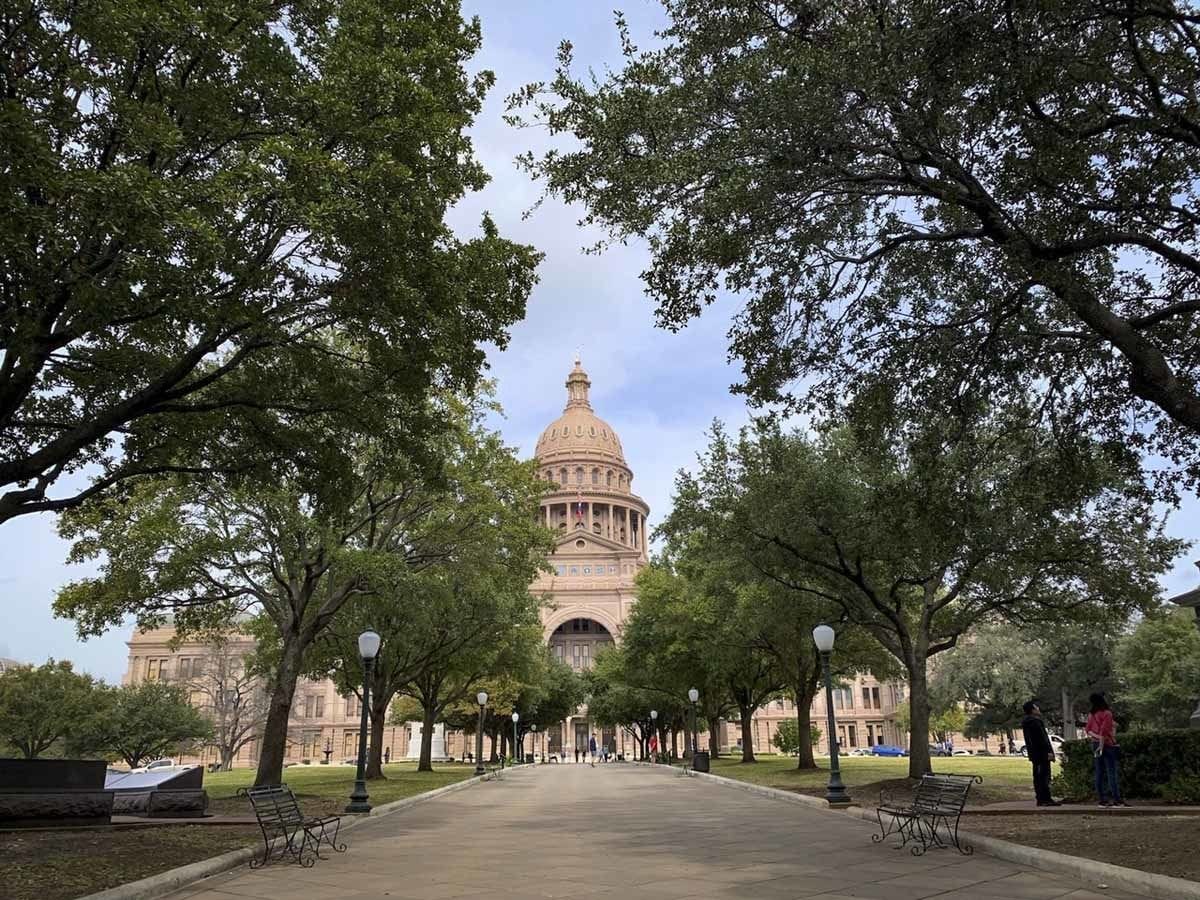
{"x":437,"y":750}
{"x":177,"y":792}
{"x":39,"y":792}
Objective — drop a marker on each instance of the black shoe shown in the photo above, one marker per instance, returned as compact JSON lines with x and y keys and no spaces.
{"x":1049,"y":803}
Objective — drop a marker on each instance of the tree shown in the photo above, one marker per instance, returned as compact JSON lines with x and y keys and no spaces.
{"x":194,"y":194}
{"x":1159,"y":663}
{"x":1078,"y":662}
{"x":455,"y":598}
{"x":993,"y":674}
{"x":614,"y":702}
{"x":786,"y":738}
{"x":44,"y":706}
{"x":292,"y":553}
{"x":233,"y":697}
{"x":919,"y":532}
{"x":913,"y":192}
{"x":149,"y":719}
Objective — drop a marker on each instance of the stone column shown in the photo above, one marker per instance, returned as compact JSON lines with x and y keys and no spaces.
{"x":591,"y":515}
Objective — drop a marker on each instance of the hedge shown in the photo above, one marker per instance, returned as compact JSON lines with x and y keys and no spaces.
{"x":1155,"y":765}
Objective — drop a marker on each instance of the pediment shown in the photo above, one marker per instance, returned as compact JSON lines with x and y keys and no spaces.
{"x":566,"y":544}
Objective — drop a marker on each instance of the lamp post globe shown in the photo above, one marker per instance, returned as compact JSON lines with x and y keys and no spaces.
{"x":368,"y":649}
{"x":534,"y":748}
{"x":481,"y":698}
{"x":835,"y":793}
{"x":516,"y":717}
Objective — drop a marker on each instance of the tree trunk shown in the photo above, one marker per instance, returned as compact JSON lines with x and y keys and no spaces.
{"x":714,"y":739}
{"x":805,"y":758}
{"x":674,"y":745}
{"x":428,"y":714}
{"x":747,"y":714}
{"x":495,"y":747}
{"x":279,"y":710}
{"x":377,"y":720}
{"x":918,"y":705}
{"x":226,"y":759}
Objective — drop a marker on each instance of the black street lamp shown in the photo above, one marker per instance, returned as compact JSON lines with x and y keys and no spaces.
{"x":481,"y":699}
{"x":516,"y":717}
{"x":534,"y":742}
{"x":654,"y":732}
{"x":835,"y":793}
{"x":694,"y":696}
{"x":368,"y":647}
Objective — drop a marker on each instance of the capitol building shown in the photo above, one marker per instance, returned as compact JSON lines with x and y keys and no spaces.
{"x":602,"y":542}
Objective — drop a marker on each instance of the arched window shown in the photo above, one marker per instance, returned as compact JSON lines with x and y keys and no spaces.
{"x":579,"y":475}
{"x":620,"y":481}
{"x":595,"y":476}
{"x":562,"y":475}
{"x":609,"y":477}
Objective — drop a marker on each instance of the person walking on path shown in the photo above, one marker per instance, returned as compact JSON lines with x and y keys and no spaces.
{"x":592,"y":748}
{"x":1041,"y":753}
{"x":1103,"y":731}
{"x":654,"y":748}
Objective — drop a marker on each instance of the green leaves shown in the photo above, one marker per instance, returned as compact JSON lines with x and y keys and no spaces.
{"x":961,"y":203}
{"x":45,"y":707}
{"x":1159,"y":665}
{"x":150,"y":719}
{"x":223,"y":229}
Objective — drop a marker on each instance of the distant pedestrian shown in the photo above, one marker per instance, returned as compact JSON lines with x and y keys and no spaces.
{"x":387,"y":755}
{"x":576,"y":754}
{"x":592,"y":748}
{"x":1041,"y":753}
{"x":1103,"y":731}
{"x":654,"y":748}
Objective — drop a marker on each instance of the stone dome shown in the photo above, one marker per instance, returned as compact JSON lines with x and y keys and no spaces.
{"x":579,"y":433}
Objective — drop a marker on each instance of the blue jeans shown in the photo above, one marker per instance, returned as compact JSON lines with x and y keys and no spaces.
{"x":1106,"y":770}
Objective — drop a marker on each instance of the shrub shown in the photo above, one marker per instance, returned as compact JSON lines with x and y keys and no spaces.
{"x":1159,"y":765}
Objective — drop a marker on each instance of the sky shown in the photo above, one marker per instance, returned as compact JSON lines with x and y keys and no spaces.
{"x":660,"y":391}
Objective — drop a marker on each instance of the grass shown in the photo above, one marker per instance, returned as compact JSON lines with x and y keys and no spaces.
{"x":326,"y":789}
{"x":1003,"y":779}
{"x":62,"y":863}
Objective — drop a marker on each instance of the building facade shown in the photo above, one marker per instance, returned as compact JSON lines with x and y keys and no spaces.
{"x":602,"y":543}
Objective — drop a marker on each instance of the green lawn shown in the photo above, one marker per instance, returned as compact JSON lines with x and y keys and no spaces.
{"x":326,"y":789}
{"x":1003,"y":778}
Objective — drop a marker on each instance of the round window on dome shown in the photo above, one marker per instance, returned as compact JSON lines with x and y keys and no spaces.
{"x":580,"y":544}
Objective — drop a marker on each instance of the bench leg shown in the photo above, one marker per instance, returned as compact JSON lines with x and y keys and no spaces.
{"x":320,"y":835}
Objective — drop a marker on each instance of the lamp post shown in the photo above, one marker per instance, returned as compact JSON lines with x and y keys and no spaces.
{"x":654,"y":728}
{"x":368,"y":647}
{"x":835,"y":793}
{"x":517,"y":754}
{"x":481,"y":699}
{"x":534,"y":742}
{"x":694,"y":695}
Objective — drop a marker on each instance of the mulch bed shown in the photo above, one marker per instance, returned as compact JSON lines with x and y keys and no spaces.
{"x":1165,"y":844}
{"x":68,"y":863}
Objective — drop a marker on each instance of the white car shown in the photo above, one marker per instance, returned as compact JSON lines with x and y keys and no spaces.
{"x":163,"y":763}
{"x":1056,"y":742}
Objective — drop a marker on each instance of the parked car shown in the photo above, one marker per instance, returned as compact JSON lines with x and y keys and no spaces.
{"x":860,"y":751}
{"x":935,"y":750}
{"x":888,"y":750}
{"x":964,"y":752}
{"x":1056,"y":742}
{"x":163,"y":763}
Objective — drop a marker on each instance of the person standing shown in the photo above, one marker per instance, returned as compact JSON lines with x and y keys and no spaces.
{"x":387,"y":755}
{"x":1103,"y":731}
{"x":1041,"y":753}
{"x":654,"y":748}
{"x":592,"y":748}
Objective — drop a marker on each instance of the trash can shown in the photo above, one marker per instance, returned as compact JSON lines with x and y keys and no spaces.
{"x":700,"y":761}
{"x":528,"y":758}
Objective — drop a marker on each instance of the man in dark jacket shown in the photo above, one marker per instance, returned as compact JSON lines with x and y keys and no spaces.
{"x":1040,"y":752}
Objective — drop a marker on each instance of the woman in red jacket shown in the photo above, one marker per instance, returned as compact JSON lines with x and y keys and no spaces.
{"x":1103,"y":731}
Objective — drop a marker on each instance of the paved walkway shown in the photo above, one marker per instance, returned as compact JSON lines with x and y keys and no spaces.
{"x":621,"y":831}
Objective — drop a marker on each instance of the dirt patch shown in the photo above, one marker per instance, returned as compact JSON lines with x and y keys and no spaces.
{"x":1166,"y":844}
{"x":59,"y":865}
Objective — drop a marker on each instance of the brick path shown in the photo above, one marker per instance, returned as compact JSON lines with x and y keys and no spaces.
{"x":619,"y":831}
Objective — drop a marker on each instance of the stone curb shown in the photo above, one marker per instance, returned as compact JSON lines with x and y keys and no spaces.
{"x":763,"y":790}
{"x":173,"y":879}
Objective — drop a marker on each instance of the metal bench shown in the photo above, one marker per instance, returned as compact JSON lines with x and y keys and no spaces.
{"x":285,"y":829}
{"x":934,"y":808}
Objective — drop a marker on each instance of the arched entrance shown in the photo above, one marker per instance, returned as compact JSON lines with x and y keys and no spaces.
{"x":577,"y":641}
